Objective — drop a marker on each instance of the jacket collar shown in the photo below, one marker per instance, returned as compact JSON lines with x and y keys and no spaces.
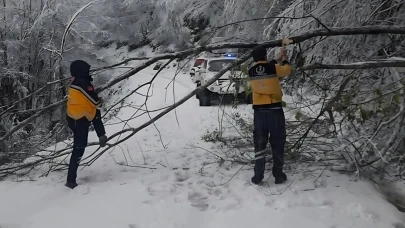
{"x":259,"y":62}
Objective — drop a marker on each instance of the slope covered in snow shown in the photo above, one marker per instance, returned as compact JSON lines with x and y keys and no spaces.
{"x":183,"y":184}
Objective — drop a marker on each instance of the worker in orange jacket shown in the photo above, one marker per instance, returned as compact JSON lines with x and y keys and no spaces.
{"x":269,"y":120}
{"x":82,"y":110}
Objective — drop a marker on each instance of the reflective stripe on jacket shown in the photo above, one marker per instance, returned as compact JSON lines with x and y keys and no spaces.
{"x":265,"y":83}
{"x":82,"y":100}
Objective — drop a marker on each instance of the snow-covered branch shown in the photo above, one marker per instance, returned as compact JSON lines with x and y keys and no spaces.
{"x":267,"y":44}
{"x":29,"y":120}
{"x":352,"y":66}
{"x":69,"y":25}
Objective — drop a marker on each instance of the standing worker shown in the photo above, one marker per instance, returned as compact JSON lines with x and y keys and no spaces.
{"x":82,"y":110}
{"x":269,"y":120}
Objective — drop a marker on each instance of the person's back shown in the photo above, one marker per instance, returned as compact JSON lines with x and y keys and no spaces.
{"x":269,"y":120}
{"x":265,"y":81}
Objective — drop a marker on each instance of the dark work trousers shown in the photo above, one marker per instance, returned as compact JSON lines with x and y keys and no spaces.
{"x":98,"y":124}
{"x":269,"y":126}
{"x":80,"y":130}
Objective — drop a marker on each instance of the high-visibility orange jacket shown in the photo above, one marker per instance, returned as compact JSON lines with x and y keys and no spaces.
{"x":265,"y":83}
{"x":82,"y":100}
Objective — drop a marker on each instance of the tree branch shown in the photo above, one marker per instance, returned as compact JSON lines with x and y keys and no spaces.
{"x":72,"y":19}
{"x":358,"y":65}
{"x":120,"y":63}
{"x":175,"y":105}
{"x":14,"y":105}
{"x":29,"y":120}
{"x":267,"y":44}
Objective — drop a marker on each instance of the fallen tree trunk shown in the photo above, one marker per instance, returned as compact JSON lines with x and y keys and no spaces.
{"x":353,"y":66}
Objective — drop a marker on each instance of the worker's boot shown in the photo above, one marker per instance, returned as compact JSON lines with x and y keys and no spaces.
{"x":71,"y":185}
{"x":279,"y":175}
{"x":281,"y":178}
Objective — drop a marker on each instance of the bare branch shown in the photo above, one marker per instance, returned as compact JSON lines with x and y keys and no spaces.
{"x":359,"y":65}
{"x":70,"y":25}
{"x":29,"y":120}
{"x":120,"y":63}
{"x":175,"y":105}
{"x":14,"y":105}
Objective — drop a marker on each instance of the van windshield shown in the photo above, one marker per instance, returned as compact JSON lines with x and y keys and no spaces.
{"x":217,"y":65}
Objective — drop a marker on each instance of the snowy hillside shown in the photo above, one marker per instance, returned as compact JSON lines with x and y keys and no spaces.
{"x":181,"y":183}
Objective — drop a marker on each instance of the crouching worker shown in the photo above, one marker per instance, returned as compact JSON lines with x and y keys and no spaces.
{"x":269,"y":121}
{"x":82,"y":110}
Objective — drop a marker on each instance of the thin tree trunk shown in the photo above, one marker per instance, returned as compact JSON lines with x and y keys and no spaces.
{"x":4,"y":37}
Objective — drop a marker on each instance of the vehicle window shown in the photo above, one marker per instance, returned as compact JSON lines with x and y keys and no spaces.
{"x":204,"y":66}
{"x":198,"y":62}
{"x":217,"y":65}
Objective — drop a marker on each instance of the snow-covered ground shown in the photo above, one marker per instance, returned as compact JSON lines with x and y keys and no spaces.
{"x":186,"y":188}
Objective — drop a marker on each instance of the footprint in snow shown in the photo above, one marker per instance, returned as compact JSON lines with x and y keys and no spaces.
{"x":398,"y":225}
{"x":198,"y":200}
{"x":9,"y":226}
{"x":95,"y":178}
{"x":216,"y":192}
{"x":182,"y":176}
{"x":326,"y":204}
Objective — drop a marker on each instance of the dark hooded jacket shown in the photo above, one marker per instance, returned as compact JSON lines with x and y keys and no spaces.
{"x":82,"y":99}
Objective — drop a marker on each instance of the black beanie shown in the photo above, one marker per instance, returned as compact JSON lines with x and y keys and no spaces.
{"x":80,"y":69}
{"x":259,"y":54}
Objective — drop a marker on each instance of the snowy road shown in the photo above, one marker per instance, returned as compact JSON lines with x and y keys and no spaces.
{"x":176,"y":194}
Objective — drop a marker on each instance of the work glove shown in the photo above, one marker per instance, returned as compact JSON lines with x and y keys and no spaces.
{"x":103,"y":140}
